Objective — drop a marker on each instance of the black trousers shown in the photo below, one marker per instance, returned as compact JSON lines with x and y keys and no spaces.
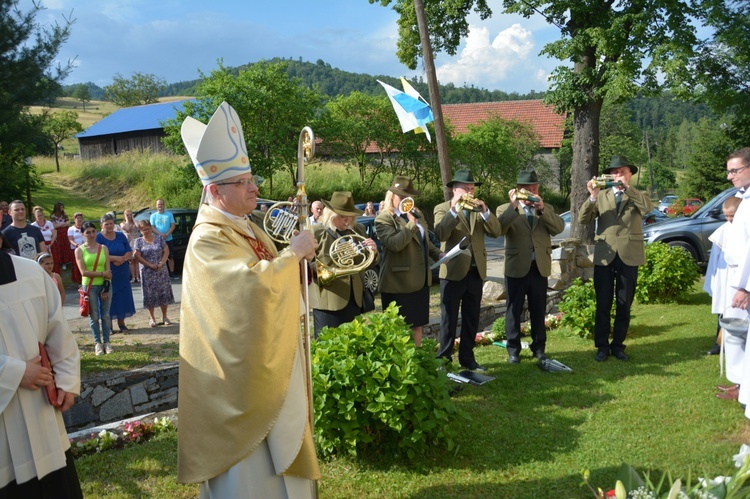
{"x":465,"y":294}
{"x":610,"y":281}
{"x":534,"y":287}
{"x":331,"y":318}
{"x":60,"y":484}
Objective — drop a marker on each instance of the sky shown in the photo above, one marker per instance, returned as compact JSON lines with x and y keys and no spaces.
{"x":175,"y":39}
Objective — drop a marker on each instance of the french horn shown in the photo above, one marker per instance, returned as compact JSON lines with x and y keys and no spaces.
{"x":281,"y":220}
{"x":349,"y":255}
{"x":604,"y":181}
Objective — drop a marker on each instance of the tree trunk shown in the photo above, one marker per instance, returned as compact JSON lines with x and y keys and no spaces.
{"x":585,"y":162}
{"x":437,"y":109}
{"x":57,"y":157}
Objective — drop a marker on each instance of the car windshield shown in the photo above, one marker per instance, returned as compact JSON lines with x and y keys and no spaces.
{"x":716,"y":202}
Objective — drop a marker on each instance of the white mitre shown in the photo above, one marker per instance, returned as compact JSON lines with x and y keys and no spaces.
{"x":218,"y":149}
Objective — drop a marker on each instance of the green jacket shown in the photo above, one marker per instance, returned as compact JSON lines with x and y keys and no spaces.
{"x":451,"y":230}
{"x":336,"y":295}
{"x":618,"y":233}
{"x":521,"y":239}
{"x":403,"y":269}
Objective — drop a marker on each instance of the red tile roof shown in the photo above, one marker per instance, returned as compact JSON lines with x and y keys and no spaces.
{"x":548,"y":124}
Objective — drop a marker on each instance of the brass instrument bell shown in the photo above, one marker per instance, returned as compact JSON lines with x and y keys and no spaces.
{"x":407,"y":206}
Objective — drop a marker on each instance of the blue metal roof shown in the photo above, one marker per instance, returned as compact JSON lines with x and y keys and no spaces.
{"x":133,"y":119}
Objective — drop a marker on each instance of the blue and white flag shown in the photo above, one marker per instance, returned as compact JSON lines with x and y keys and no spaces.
{"x":412,"y":110}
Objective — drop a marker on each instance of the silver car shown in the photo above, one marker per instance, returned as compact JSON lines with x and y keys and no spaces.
{"x":691,"y":233}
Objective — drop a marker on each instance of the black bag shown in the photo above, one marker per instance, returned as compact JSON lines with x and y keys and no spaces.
{"x":368,"y":301}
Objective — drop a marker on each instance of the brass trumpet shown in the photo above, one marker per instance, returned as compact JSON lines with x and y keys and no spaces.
{"x":349,"y":254}
{"x":407,"y":206}
{"x":527,"y":196}
{"x":468,"y":202}
{"x":605,"y":181}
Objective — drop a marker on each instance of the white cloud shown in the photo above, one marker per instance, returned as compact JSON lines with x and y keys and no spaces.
{"x":488,"y":64}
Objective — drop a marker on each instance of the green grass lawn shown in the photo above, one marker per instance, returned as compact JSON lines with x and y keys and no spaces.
{"x":531,"y":433}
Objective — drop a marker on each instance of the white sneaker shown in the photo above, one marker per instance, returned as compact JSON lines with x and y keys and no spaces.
{"x":108,"y":348}
{"x":98,"y":349}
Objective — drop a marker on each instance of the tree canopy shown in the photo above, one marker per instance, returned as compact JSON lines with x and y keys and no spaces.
{"x":28,"y":75}
{"x":139,"y":89}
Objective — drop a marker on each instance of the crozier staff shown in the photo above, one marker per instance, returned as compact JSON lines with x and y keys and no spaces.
{"x":243,"y":405}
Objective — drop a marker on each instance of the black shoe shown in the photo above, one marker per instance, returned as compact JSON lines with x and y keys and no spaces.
{"x":514,"y":359}
{"x":601,"y":356}
{"x":619,"y":355}
{"x":715,"y":350}
{"x":476,"y":367}
{"x":540,"y":356}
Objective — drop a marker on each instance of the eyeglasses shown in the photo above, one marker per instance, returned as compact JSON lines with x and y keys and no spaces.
{"x":735,"y":171}
{"x":245,"y":182}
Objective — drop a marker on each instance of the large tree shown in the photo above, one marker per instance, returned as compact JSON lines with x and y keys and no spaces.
{"x":139,"y":89}
{"x":28,"y":75}
{"x":610,"y":48}
{"x":82,"y":92}
{"x":720,"y":72}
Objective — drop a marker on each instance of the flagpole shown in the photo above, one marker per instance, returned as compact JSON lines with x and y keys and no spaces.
{"x":441,"y":140}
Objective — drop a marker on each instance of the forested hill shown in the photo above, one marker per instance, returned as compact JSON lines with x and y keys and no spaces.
{"x":648,"y":112}
{"x":333,"y":81}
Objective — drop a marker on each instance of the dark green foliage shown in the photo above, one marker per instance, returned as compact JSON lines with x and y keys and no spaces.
{"x":28,"y":75}
{"x":376,"y":392}
{"x":668,"y":276}
{"x":579,"y":308}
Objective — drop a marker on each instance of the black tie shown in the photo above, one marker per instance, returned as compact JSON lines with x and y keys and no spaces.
{"x":618,"y":200}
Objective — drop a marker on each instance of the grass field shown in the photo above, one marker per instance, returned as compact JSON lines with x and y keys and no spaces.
{"x":531,"y":433}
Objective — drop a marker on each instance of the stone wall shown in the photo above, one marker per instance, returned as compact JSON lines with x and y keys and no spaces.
{"x":116,"y":396}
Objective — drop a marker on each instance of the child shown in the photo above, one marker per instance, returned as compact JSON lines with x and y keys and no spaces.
{"x":45,"y":260}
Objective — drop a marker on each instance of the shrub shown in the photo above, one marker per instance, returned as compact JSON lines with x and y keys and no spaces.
{"x":668,"y":276}
{"x":579,"y":308}
{"x":498,"y":329}
{"x":374,"y":390}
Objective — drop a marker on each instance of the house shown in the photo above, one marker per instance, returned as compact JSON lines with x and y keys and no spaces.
{"x":548,"y":124}
{"x":131,"y":128}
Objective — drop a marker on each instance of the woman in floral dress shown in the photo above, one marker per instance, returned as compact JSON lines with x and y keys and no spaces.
{"x":152,"y":252}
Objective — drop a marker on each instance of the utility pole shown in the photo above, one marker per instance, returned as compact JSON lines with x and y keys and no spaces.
{"x":437,"y":109}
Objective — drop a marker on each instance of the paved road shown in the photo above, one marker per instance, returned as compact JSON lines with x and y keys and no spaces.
{"x":495,"y":247}
{"x":71,"y":299}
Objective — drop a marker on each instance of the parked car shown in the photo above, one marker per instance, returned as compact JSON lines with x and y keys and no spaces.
{"x":684,"y":207}
{"x":372,"y":276}
{"x":691,"y":233}
{"x":666,"y":202}
{"x":652,"y":217}
{"x":184,"y":220}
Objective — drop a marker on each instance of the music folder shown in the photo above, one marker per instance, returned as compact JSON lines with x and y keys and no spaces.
{"x":462,"y":245}
{"x":471,"y":377}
